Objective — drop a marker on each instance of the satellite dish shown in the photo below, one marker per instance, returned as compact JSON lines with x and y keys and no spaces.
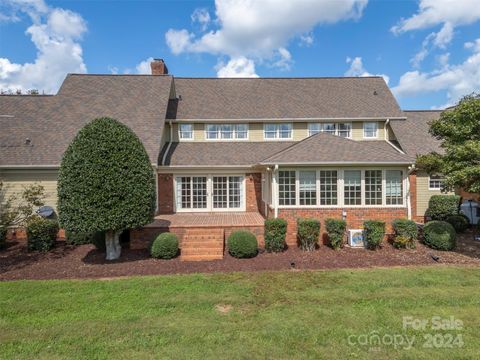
{"x":45,"y":211}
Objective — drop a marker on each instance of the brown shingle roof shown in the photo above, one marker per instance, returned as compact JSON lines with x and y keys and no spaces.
{"x":51,"y":122}
{"x":246,"y":153}
{"x":325,"y":148}
{"x":284,"y":98}
{"x":412,"y":133}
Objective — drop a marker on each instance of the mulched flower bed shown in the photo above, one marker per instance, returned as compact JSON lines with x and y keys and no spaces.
{"x":68,"y":262}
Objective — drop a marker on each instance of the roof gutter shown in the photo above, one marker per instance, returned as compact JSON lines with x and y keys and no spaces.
{"x":321,"y":119}
{"x":339,"y":163}
{"x":16,"y":167}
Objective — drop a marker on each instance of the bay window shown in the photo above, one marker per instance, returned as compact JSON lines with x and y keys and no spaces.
{"x":226,"y":131}
{"x":277,"y":131}
{"x":352,"y":187}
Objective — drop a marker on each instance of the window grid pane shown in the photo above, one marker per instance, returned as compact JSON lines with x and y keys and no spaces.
{"x":344,"y":130}
{"x":373,"y":187}
{"x":234,"y":191}
{"x":285,"y":131}
{"x":308,"y":187}
{"x":328,"y":187}
{"x":226,"y":131}
{"x":220,"y":197}
{"x":186,"y":131}
{"x":435,"y":182}
{"x":212,"y":131}
{"x":286,"y":187}
{"x":394,"y":187}
{"x":199,"y":192}
{"x":370,"y":130}
{"x":329,"y":128}
{"x":241,"y":131}
{"x":313,"y":128}
{"x":353,"y":187}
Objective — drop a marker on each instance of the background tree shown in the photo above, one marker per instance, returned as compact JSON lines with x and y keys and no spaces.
{"x":106,"y":183}
{"x":459,"y":130}
{"x":16,"y":210}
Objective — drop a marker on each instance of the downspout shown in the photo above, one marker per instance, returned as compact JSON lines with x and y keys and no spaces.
{"x":275,"y":192}
{"x":409,"y":201}
{"x":388,"y":141}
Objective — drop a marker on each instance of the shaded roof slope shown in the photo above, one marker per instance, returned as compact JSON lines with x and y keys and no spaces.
{"x":324,"y":148}
{"x":413,"y":135}
{"x":246,"y":153}
{"x":285,"y":98}
{"x":51,"y":122}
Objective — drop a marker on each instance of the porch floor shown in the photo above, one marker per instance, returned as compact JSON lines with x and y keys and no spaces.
{"x":208,"y":219}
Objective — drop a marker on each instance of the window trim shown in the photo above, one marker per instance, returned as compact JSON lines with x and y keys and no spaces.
{"x":435,"y":188}
{"x":180,"y":132}
{"x":219,"y":131}
{"x":277,"y":131}
{"x":340,"y":188}
{"x":376,"y":129}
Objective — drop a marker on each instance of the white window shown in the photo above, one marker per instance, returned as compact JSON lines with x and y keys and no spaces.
{"x":191,"y":192}
{"x":328,"y":187}
{"x":394,"y":187}
{"x":186,"y":131}
{"x":226,"y":131}
{"x":286,"y":188}
{"x":373,"y":187}
{"x":370,"y":130}
{"x":277,"y":131}
{"x":352,"y":187}
{"x":227,"y":192}
{"x":435,"y":182}
{"x":341,"y":129}
{"x":307,"y":185}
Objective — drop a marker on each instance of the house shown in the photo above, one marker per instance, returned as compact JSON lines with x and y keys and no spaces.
{"x":229,"y":152}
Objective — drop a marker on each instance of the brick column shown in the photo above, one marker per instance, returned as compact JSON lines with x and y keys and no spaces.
{"x":253,"y":192}
{"x":165,"y":194}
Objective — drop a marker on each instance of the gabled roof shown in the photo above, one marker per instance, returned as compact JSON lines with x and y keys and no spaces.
{"x":324,"y":148}
{"x":412,"y":133}
{"x":51,"y":122}
{"x":247,"y":153}
{"x":283,"y":98}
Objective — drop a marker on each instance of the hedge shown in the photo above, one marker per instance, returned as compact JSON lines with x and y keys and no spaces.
{"x":442,"y":206}
{"x":374,"y":231}
{"x":406,"y":232}
{"x":308,"y":231}
{"x":165,"y":246}
{"x":336,"y":232}
{"x":41,"y":234}
{"x":242,"y":244}
{"x":275,"y":233}
{"x":439,"y":235}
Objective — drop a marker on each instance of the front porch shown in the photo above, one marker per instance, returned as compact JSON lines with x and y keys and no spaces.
{"x":201,"y":235}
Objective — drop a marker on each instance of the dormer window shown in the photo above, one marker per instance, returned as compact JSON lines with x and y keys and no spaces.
{"x":226,"y":131}
{"x":339,"y":129}
{"x":185,"y":131}
{"x":370,"y":130}
{"x":281,"y":131}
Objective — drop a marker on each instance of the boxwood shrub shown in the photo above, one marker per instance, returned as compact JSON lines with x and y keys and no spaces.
{"x":165,"y":246}
{"x":459,"y":222}
{"x":336,"y":232}
{"x":374,"y":231}
{"x":308,"y":231}
{"x":41,"y":234}
{"x":3,"y":236}
{"x":242,"y":244}
{"x":442,"y":206}
{"x":275,"y":233}
{"x":406,"y":232}
{"x":439,"y":235}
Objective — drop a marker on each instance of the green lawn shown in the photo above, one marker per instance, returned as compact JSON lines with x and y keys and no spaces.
{"x":273,"y":315}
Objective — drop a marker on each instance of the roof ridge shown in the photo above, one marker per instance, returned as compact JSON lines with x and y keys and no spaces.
{"x":280,"y":78}
{"x":117,"y":75}
{"x":438,"y":110}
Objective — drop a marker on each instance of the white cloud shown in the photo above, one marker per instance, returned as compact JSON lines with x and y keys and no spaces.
{"x":202,"y":17}
{"x":237,"y":67}
{"x":473,"y":45}
{"x":307,"y":39}
{"x":357,"y":69}
{"x":431,"y":13}
{"x":257,"y":30}
{"x":144,"y":67}
{"x":456,"y":80}
{"x":285,"y":59}
{"x":56,"y":33}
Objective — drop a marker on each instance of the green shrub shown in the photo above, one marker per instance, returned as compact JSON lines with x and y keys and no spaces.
{"x":275,"y":233}
{"x":41,"y":233}
{"x":242,"y":244}
{"x":336,"y":232}
{"x":98,"y":239}
{"x":308,"y":231}
{"x":459,"y":222}
{"x":3,"y":236}
{"x":442,"y":206}
{"x":374,"y":231}
{"x":439,"y":235}
{"x":72,"y":238}
{"x":165,"y":246}
{"x":406,"y":232}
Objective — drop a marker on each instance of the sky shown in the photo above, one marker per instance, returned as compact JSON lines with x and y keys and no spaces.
{"x":428,"y":51}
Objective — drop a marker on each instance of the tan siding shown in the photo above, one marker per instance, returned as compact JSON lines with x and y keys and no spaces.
{"x":424,"y":194}
{"x":255,"y":132}
{"x":14,"y":181}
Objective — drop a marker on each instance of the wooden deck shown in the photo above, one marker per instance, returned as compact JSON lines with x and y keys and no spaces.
{"x":210,"y":219}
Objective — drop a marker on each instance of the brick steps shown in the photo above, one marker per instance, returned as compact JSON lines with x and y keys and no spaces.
{"x":202,"y":244}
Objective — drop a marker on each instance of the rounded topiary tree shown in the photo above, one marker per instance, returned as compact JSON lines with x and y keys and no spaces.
{"x":106,"y":183}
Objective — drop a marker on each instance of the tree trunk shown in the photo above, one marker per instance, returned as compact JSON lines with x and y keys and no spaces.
{"x":112,"y":244}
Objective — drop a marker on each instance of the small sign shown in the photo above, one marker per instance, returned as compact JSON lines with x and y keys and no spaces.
{"x":355,"y":238}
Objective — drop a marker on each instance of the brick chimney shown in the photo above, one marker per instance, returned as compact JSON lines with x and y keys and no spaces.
{"x":158,"y":67}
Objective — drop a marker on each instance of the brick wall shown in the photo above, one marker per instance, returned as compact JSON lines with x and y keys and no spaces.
{"x":355,"y":218}
{"x":253,"y":192}
{"x":165,"y":193}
